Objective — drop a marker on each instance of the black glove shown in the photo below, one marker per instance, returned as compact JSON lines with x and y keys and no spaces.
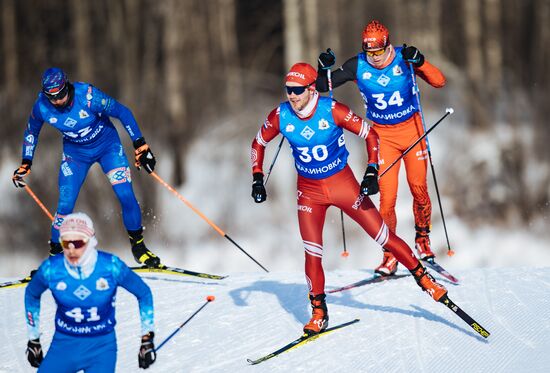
{"x":21,"y":172}
{"x":258,"y":190}
{"x":412,"y":54}
{"x":369,"y":185}
{"x":34,"y":352}
{"x":144,"y":156}
{"x":326,"y":60}
{"x":147,"y":354}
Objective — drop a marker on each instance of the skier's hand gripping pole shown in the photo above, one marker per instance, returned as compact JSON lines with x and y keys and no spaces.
{"x":216,"y":228}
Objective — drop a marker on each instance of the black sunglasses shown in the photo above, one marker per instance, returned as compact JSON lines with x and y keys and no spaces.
{"x":296,"y":90}
{"x":60,"y":95}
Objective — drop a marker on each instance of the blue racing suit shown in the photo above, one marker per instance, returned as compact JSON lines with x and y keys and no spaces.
{"x":89,"y":136}
{"x":85,"y":318}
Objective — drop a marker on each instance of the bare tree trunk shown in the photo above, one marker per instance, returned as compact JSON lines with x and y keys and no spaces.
{"x":130,"y":52}
{"x":174,"y":51}
{"x":493,"y":47}
{"x":11,"y":60}
{"x":311,"y":23}
{"x":82,"y":31}
{"x":230,"y":56}
{"x":293,"y":41}
{"x":474,"y":64}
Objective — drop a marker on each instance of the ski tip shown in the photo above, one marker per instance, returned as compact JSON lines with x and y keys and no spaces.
{"x":210,"y":298}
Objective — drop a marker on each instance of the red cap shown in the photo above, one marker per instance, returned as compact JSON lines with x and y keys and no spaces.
{"x":302,"y":73}
{"x":375,"y":36}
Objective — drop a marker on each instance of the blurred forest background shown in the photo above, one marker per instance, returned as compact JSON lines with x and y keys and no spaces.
{"x":189,"y":68}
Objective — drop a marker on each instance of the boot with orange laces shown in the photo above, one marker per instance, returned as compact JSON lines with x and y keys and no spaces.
{"x":427,"y":283}
{"x":319,"y":317}
{"x":422,"y":243}
{"x":388,"y":266}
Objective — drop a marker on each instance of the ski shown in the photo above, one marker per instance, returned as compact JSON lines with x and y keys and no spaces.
{"x":15,"y":283}
{"x":163,"y":269}
{"x":442,"y":271}
{"x":464,"y":316}
{"x":300,"y":341}
{"x":175,"y":271}
{"x":372,"y":280}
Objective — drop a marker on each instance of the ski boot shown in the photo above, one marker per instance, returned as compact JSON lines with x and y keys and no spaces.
{"x":142,"y":255}
{"x":388,"y":266}
{"x":422,"y":243}
{"x":428,"y":283}
{"x":319,"y":317}
{"x":55,"y":248}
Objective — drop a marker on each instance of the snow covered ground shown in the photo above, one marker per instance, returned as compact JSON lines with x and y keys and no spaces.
{"x":401,"y":328}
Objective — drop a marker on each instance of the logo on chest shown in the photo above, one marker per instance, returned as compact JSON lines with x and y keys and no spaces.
{"x":307,"y":133}
{"x":289,"y":128}
{"x":83,"y":114}
{"x":323,"y":124}
{"x":69,"y":122}
{"x":61,"y":286}
{"x":367,"y":75}
{"x":383,"y":80}
{"x":82,"y":292}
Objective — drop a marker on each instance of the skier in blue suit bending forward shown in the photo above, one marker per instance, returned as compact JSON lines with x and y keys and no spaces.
{"x":81,"y":113}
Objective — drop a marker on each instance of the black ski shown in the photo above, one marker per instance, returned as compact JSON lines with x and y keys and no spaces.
{"x":464,"y":316}
{"x":442,"y":271}
{"x":175,"y":271}
{"x":299,"y":342}
{"x":163,"y":269}
{"x":372,"y":280}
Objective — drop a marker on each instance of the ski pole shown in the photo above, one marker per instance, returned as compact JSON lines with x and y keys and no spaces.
{"x":209,"y":299}
{"x":448,"y":112}
{"x":38,"y":202}
{"x":417,"y":94}
{"x":345,"y":253}
{"x":216,"y":228}
{"x":274,"y":159}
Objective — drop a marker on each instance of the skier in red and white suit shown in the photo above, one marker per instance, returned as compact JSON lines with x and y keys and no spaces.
{"x":313,"y":126}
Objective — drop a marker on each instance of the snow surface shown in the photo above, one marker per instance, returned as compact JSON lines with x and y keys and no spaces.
{"x":401,"y":328}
